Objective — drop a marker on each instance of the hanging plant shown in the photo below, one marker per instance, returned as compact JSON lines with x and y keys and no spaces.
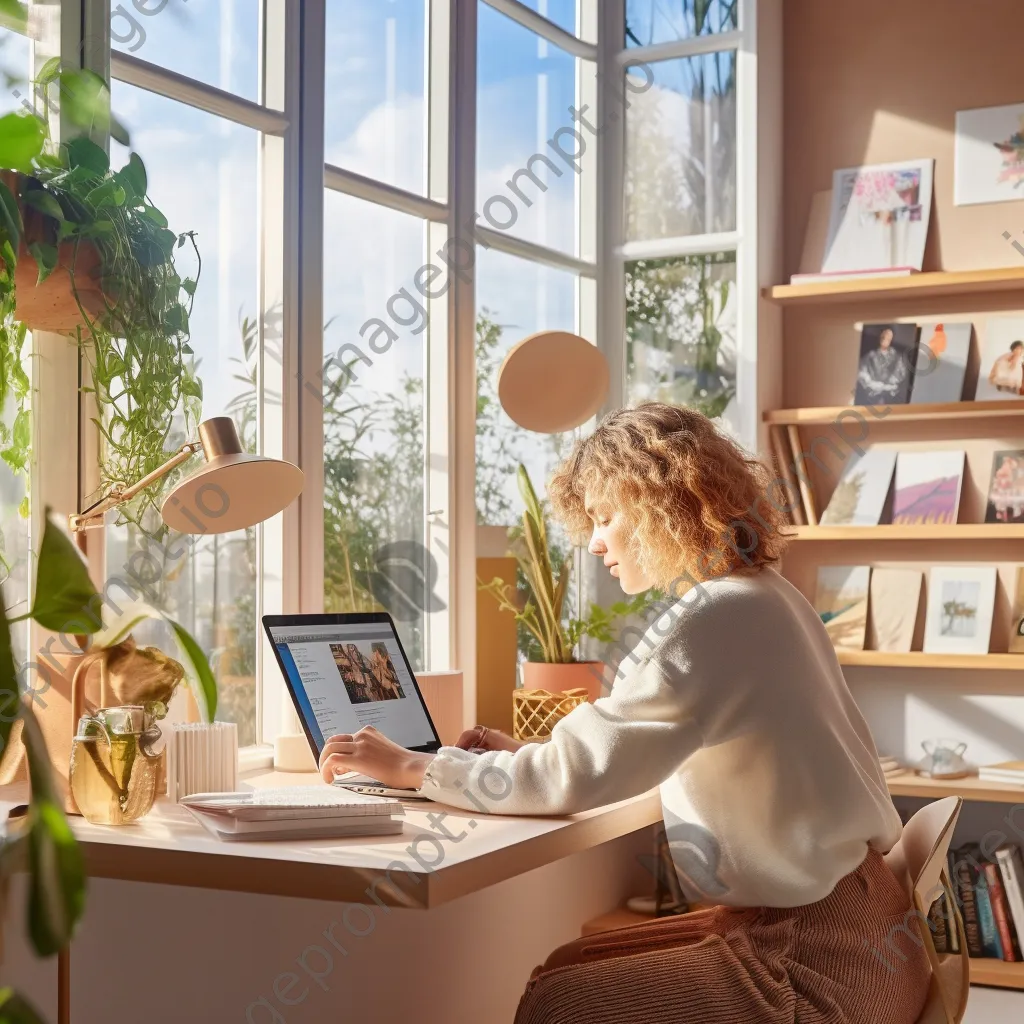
{"x":85,"y":252}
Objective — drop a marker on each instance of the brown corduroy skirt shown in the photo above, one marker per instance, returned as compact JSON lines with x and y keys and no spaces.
{"x":855,"y":957}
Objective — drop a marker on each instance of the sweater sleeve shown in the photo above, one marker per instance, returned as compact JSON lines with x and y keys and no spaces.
{"x":618,"y":747}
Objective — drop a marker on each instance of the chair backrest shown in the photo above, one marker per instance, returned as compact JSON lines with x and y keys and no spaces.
{"x":919,"y":861}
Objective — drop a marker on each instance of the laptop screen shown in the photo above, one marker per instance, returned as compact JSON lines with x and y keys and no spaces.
{"x":343,"y":677}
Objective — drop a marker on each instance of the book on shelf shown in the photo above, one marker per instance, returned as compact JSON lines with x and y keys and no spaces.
{"x":1011,"y":870}
{"x":1001,"y":912}
{"x":966,"y":894}
{"x":294,"y":812}
{"x":841,"y":275}
{"x":991,"y":940}
{"x":1010,"y":772}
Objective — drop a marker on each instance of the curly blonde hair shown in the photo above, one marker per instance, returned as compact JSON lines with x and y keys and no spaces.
{"x":699,"y":507}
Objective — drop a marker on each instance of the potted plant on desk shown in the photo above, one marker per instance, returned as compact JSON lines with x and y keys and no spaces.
{"x":543,"y":613}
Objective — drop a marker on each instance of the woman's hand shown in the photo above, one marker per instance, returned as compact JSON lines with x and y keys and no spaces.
{"x":487,"y":739}
{"x":373,"y":754}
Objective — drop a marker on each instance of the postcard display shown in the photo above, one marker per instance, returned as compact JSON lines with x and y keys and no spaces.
{"x":933,"y":368}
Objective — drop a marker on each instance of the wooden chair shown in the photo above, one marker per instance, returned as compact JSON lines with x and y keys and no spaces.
{"x":919,"y":861}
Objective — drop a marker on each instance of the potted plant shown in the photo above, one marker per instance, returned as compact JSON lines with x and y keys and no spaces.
{"x":41,"y":840}
{"x":543,"y":612}
{"x":84,"y":251}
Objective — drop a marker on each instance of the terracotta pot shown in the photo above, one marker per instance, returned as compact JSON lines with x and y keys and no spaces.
{"x":588,"y":675}
{"x":52,"y":305}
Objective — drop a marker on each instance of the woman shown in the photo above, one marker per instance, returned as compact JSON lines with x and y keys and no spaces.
{"x":734,"y":704}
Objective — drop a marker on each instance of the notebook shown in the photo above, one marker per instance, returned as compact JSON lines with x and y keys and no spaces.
{"x":297,"y":812}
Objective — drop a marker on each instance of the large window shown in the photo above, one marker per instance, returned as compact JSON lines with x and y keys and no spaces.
{"x":682,"y":225}
{"x":386,"y":196}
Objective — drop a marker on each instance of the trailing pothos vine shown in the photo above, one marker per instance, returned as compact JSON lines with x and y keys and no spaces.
{"x":136,"y":343}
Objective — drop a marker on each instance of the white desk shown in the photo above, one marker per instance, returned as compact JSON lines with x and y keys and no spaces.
{"x":236,"y":931}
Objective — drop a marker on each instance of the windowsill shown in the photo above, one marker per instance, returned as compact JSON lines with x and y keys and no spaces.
{"x":255,"y":758}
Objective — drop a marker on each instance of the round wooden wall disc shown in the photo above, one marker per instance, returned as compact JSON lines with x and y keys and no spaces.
{"x":553,"y":381}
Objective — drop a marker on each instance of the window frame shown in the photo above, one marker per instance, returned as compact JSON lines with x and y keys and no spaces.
{"x":293,"y":177}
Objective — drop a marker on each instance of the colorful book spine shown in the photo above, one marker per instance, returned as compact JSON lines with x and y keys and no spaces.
{"x":969,"y":904}
{"x":990,"y":939}
{"x":1012,"y":870}
{"x":951,"y":894}
{"x":937,"y":925}
{"x":1000,"y":911}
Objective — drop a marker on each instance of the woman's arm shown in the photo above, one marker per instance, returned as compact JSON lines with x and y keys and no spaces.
{"x":617,"y":747}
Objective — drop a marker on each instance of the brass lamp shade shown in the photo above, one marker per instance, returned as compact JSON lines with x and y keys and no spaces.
{"x":553,"y":381}
{"x":233,"y":489}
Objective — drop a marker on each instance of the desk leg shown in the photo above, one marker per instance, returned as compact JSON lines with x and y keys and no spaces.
{"x":64,"y":985}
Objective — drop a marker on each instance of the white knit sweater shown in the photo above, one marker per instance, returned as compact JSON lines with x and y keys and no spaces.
{"x":735,"y":705}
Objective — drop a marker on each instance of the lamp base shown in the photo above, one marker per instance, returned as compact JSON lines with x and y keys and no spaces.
{"x":292,"y":754}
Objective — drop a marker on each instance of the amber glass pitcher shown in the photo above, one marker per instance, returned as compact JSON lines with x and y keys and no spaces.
{"x":114,"y":766}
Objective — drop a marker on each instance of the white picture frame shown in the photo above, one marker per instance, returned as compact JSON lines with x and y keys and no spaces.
{"x":879,"y":218}
{"x":951,"y":587}
{"x":985,"y":167}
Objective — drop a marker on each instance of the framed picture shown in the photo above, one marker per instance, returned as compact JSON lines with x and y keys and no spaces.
{"x":1001,"y":374}
{"x":859,"y":496}
{"x":941,"y":363}
{"x":960,"y":603}
{"x":1017,"y":624}
{"x":895,"y":598}
{"x":841,"y":601}
{"x":989,"y":158}
{"x":879,"y":217}
{"x":1006,"y":490}
{"x":927,"y":487}
{"x":885,"y":371}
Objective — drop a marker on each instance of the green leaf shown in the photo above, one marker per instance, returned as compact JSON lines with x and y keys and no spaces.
{"x":14,"y":15}
{"x":9,"y":702}
{"x":10,"y":217}
{"x":189,"y":286}
{"x":83,"y":152}
{"x":85,"y":99}
{"x":41,"y":200}
{"x":198,"y":668}
{"x":133,"y":177}
{"x":56,"y":896}
{"x":21,"y":141}
{"x":23,"y":507}
{"x":45,"y":256}
{"x":49,"y":72}
{"x":118,"y":132}
{"x":14,"y":1009}
{"x":64,"y":591}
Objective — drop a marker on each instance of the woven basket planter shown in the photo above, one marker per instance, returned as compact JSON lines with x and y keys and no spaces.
{"x":536,"y":712}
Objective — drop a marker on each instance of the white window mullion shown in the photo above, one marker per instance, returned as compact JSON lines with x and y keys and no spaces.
{"x":747,"y":290}
{"x":688,"y":245}
{"x":694,"y":46}
{"x":529,"y":18}
{"x":439,"y":629}
{"x":280,"y":562}
{"x":461,"y":398}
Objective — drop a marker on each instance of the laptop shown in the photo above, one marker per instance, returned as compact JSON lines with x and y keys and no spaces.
{"x":347,"y":670}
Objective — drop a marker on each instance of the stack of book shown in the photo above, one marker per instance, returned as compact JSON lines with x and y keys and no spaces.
{"x":295,"y":812}
{"x":1011,"y":772}
{"x":889,"y":764}
{"x":990,"y":893}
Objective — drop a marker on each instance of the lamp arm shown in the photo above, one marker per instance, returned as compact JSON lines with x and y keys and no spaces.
{"x":119,"y":494}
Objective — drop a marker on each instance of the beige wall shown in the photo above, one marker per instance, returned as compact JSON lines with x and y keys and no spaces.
{"x":870,"y":81}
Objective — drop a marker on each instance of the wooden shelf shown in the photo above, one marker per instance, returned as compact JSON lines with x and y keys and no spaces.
{"x":916,"y":286}
{"x":954,"y":531}
{"x":997,"y":972}
{"x":919,"y":659}
{"x":970,"y":788}
{"x":942,"y":411}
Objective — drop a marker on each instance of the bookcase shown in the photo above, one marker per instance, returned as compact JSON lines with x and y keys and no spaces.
{"x":820,"y":345}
